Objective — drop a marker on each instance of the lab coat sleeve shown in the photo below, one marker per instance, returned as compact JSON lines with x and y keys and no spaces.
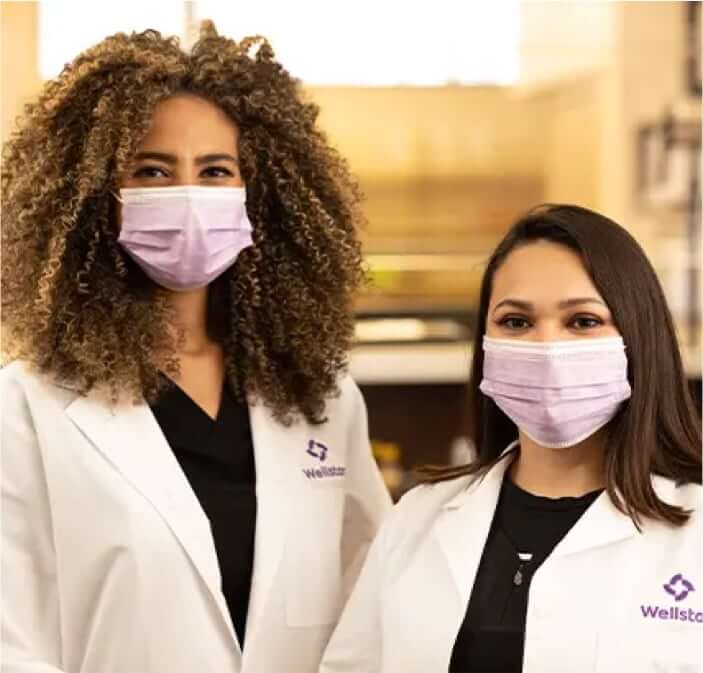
{"x":30,"y":614}
{"x":355,"y":646}
{"x":367,"y":500}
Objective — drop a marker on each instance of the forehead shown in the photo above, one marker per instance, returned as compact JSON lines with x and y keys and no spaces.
{"x":543,"y":272}
{"x":185,"y":123}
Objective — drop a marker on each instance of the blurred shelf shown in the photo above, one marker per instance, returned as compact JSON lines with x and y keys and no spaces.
{"x":427,"y":262}
{"x":410,"y":329}
{"x":419,"y":363}
{"x":416,"y":305}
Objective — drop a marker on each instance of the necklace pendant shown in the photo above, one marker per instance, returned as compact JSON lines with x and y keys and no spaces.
{"x":517,"y":579}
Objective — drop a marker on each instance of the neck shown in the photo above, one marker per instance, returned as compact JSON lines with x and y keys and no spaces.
{"x":558,"y":473}
{"x":190,"y":310}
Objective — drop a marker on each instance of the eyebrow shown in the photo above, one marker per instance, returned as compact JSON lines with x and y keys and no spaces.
{"x":567,"y":303}
{"x":172,"y":159}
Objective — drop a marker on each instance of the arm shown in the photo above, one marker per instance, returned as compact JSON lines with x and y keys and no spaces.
{"x":30,"y":614}
{"x":367,"y":500}
{"x":355,"y":646}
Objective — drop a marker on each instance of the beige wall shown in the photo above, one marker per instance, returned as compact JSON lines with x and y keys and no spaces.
{"x":570,"y":125}
{"x":616,"y":65}
{"x":569,"y":140}
{"x":443,"y":169}
{"x":563,"y":40}
{"x":602,"y":69}
{"x":446,"y":131}
{"x":454,"y":159}
{"x":19,"y":73}
{"x":644,"y":77}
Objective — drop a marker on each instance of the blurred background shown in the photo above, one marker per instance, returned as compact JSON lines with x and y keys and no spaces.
{"x":456,"y":117}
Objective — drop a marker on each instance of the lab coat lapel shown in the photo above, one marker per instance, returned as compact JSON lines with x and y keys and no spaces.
{"x":464,"y":523}
{"x":130,"y":438}
{"x":603,"y":523}
{"x":277,"y":451}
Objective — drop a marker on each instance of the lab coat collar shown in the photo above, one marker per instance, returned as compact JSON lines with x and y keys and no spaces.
{"x":487,"y":483}
{"x":603,"y":523}
{"x":462,"y":530}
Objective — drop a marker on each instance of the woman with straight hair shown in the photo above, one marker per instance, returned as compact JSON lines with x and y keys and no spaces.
{"x":572,"y":543}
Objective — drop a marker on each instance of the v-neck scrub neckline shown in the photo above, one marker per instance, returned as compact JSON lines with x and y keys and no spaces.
{"x":217,"y":457}
{"x":492,"y":636}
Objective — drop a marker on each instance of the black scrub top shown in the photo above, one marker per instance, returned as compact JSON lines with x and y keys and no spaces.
{"x":492,"y":636}
{"x":217,"y":457}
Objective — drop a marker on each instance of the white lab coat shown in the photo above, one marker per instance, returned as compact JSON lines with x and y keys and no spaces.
{"x":108,"y":562}
{"x":588,"y":603}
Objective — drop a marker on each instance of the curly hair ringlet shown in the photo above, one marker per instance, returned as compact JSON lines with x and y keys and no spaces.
{"x":74,"y":304}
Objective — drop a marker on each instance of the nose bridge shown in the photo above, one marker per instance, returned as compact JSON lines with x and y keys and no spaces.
{"x":185,"y":171}
{"x":548,"y":328}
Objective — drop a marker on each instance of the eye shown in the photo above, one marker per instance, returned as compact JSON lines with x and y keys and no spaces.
{"x":150,"y":172}
{"x":216,"y":172}
{"x":585,"y":322}
{"x":513,"y":322}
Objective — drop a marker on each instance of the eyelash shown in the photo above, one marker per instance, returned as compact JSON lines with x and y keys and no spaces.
{"x":595,"y":322}
{"x":224,"y":172}
{"x":147,"y":172}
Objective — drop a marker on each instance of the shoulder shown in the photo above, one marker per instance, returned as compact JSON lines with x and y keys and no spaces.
{"x":20,"y":383}
{"x":12,"y":371}
{"x":690,"y":496}
{"x":346,"y":404}
{"x":417,"y":511}
{"x":431,"y":498}
{"x":349,"y":393}
{"x":15,"y":377}
{"x":687,"y":496}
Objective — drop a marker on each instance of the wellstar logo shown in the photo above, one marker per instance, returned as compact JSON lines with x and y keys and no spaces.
{"x":675,"y":581}
{"x":678,"y":587}
{"x":317,"y":450}
{"x":320,"y":451}
{"x":674,"y":614}
{"x":324,"y":472}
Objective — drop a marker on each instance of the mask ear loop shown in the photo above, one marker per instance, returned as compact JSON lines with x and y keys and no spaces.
{"x":117,"y":196}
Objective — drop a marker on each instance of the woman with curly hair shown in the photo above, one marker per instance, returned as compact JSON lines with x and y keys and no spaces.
{"x":184,"y":458}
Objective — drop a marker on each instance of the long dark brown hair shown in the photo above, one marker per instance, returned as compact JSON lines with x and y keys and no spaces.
{"x":658,"y":430}
{"x":77,"y":308}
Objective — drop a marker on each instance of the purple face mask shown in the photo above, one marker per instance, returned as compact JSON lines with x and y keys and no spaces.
{"x":560,"y":392}
{"x":184,"y":237}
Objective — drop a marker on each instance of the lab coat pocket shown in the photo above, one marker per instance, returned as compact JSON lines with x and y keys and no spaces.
{"x":654,"y":649}
{"x":313,"y":559}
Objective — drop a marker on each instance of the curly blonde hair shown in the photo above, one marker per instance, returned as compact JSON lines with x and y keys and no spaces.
{"x":77,"y":308}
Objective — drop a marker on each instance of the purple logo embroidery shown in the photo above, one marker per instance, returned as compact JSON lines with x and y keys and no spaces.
{"x":317,"y":450}
{"x":320,"y":451}
{"x":678,"y":587}
{"x":675,"y":581}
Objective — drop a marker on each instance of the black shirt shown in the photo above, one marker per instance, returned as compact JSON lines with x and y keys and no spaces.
{"x":491,"y":638}
{"x":217,"y":457}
